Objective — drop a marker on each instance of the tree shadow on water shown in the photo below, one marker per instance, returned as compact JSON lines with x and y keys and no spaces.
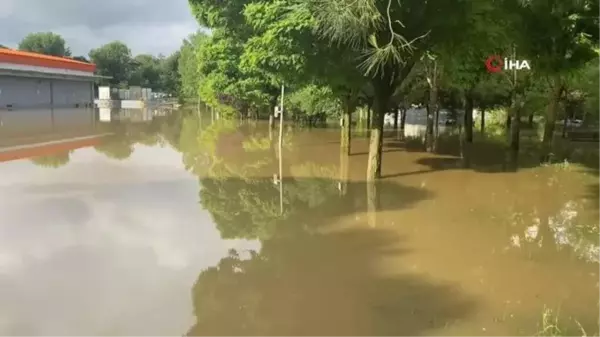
{"x":483,"y":155}
{"x":315,"y":275}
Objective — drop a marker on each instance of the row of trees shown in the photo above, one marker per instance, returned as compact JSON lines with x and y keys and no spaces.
{"x":334,"y":56}
{"x":114,"y":60}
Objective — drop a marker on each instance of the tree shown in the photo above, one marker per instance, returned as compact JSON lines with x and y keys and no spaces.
{"x":114,"y":60}
{"x":145,"y":72}
{"x":392,"y":38}
{"x":311,"y":104}
{"x":187,"y":65}
{"x":559,"y":37}
{"x":45,"y":43}
{"x":81,"y":58}
{"x":170,"y":81}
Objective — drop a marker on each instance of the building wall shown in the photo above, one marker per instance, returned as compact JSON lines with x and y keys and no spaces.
{"x":24,"y":92}
{"x":68,"y":93}
{"x":30,"y":93}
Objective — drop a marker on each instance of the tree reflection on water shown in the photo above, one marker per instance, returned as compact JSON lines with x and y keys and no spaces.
{"x":316,"y":271}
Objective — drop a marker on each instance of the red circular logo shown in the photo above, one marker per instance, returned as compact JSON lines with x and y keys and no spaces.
{"x":494,"y":63}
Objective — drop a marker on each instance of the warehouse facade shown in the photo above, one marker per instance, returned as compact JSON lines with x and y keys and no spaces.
{"x":30,"y":80}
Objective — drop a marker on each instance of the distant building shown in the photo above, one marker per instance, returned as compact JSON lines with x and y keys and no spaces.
{"x":30,"y":80}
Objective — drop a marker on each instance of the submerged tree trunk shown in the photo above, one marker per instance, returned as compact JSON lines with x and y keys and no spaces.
{"x":468,"y":117}
{"x":369,"y":116}
{"x":550,"y":122}
{"x":482,"y":127}
{"x":515,"y":129}
{"x":403,"y":119}
{"x":530,"y":120}
{"x":349,"y":107}
{"x":272,"y":107}
{"x":383,"y":93}
{"x":565,"y":126}
{"x":431,"y":109}
{"x":436,"y":129}
{"x":402,"y":123}
{"x":345,"y":134}
{"x":396,"y":111}
{"x":372,"y":203}
{"x":343,"y":182}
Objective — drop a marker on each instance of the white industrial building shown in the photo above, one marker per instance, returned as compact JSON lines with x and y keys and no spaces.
{"x":31,"y":80}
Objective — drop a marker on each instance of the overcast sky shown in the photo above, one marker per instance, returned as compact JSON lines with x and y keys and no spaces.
{"x":146,"y":26}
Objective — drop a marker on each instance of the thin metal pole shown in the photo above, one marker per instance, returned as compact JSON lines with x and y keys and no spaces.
{"x":281,"y":152}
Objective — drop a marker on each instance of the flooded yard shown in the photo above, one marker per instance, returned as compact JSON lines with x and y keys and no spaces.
{"x":189,"y":225}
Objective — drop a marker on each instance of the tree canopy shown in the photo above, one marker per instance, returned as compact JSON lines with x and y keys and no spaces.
{"x":45,"y":43}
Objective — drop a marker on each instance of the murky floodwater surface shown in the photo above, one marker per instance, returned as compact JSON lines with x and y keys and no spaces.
{"x":180,"y":224}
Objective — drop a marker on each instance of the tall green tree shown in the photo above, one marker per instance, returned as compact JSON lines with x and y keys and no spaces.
{"x":188,"y":67}
{"x":170,"y":80}
{"x":391,"y":36}
{"x":145,"y":71}
{"x":113,"y":59}
{"x":45,"y":43}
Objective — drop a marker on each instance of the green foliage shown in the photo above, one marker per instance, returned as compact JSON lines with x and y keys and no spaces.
{"x":389,"y":34}
{"x":113,"y":59}
{"x":282,"y":42}
{"x":81,"y":58}
{"x":170,"y":80}
{"x":312,"y":101}
{"x":158,"y":73}
{"x":558,"y":36}
{"x":145,"y":71}
{"x":188,"y":66}
{"x":223,"y":84}
{"x":45,"y":43}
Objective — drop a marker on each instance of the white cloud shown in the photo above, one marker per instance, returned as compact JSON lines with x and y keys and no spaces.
{"x":103,"y":247}
{"x":147,"y":26}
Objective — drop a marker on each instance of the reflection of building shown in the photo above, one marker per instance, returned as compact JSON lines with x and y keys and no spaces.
{"x":31,"y":80}
{"x":131,"y":115}
{"x":41,"y":132}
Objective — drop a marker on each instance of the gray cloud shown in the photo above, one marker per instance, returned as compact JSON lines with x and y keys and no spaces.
{"x":146,"y":26}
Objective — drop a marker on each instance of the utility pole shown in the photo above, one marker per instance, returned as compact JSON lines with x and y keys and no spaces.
{"x":277,"y":179}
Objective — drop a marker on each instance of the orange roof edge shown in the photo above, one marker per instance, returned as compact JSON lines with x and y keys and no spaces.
{"x":39,"y":56}
{"x":12,"y":56}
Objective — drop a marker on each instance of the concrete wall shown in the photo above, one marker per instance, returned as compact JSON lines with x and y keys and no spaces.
{"x":31,"y":93}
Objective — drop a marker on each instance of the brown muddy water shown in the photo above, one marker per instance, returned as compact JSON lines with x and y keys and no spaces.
{"x":180,"y":225}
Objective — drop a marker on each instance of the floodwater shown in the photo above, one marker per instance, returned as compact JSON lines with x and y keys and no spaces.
{"x":180,"y":225}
